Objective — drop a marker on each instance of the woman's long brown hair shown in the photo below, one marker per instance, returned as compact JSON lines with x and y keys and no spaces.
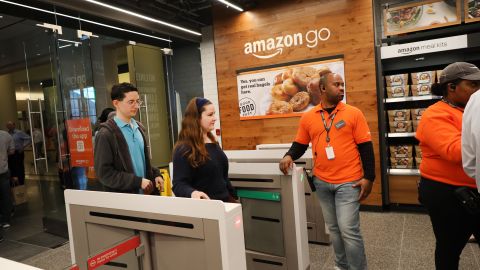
{"x":191,"y":135}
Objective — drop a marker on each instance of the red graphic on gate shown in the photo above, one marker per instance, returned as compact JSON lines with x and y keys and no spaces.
{"x":113,"y":253}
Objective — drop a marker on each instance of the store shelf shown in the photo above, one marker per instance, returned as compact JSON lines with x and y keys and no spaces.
{"x":403,"y":171}
{"x":416,"y":98}
{"x":400,"y":135}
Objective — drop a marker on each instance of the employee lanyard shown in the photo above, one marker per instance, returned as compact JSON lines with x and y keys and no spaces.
{"x":327,"y":128}
{"x":453,"y":105}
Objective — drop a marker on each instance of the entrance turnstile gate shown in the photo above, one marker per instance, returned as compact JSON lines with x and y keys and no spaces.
{"x":274,"y":216}
{"x":272,"y":153}
{"x":175,"y":233}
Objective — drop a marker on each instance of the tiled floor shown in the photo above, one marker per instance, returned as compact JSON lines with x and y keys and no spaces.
{"x":393,"y":240}
{"x":396,"y":241}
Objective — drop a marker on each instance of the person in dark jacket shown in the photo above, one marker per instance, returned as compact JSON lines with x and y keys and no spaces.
{"x":200,"y":167}
{"x":122,"y":162}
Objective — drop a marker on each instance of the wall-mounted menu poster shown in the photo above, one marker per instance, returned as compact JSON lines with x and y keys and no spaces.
{"x":420,"y":15}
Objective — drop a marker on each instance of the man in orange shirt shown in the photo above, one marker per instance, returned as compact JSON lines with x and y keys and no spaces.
{"x":344,"y":167}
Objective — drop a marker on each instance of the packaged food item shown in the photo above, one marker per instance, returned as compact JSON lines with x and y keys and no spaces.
{"x":401,"y":126}
{"x":398,"y":151}
{"x":439,"y":73}
{"x":417,"y":113}
{"x":418,"y":161}
{"x":399,"y":115}
{"x":398,"y":91}
{"x":421,"y":89}
{"x":418,"y":151}
{"x":397,"y":80}
{"x":415,"y":125}
{"x":423,"y":77}
{"x":401,"y":163}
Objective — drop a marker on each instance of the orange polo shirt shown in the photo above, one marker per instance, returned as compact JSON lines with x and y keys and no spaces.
{"x":440,"y":136}
{"x":347,"y":166}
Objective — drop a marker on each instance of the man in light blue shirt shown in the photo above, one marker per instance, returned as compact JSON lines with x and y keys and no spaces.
{"x":122,"y":161}
{"x":136,"y":145}
{"x":16,"y":161}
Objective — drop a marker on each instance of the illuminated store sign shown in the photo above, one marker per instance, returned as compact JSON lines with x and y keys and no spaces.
{"x":271,"y":47}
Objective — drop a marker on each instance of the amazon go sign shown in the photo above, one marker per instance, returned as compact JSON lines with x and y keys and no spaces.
{"x":271,"y":47}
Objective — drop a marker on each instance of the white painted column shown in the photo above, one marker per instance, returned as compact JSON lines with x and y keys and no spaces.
{"x":209,"y":72}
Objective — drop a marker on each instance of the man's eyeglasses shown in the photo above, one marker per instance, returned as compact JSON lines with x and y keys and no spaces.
{"x":133,"y":102}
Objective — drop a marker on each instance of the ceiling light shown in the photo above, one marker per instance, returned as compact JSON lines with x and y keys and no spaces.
{"x":70,"y":41}
{"x":229,"y":5}
{"x":144,"y":17}
{"x":85,"y":20}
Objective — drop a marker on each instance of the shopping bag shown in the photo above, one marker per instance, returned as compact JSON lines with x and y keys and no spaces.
{"x":19,"y":192}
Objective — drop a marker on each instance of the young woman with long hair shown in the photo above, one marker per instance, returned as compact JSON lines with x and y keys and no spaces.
{"x":200,"y":167}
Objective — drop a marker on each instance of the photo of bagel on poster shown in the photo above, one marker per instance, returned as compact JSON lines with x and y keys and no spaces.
{"x":283,"y":91}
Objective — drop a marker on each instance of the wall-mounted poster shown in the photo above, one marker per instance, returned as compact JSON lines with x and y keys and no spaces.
{"x":420,"y":16}
{"x":283,"y":91}
{"x":472,"y":10}
{"x":80,"y":142}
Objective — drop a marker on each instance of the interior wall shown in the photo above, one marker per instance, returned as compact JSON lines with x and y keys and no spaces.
{"x":187,"y":73}
{"x":351,"y":27}
{"x":8,"y":103}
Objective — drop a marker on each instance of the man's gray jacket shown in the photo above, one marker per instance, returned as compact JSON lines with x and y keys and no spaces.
{"x":113,"y":164}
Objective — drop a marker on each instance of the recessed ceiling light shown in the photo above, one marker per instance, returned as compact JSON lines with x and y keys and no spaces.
{"x":85,"y":20}
{"x":231,"y":5}
{"x":144,"y":17}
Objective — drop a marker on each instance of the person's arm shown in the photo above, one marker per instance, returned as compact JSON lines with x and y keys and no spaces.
{"x":182,"y":174}
{"x":439,"y":132}
{"x":11,"y":146}
{"x":230,"y":188}
{"x":27,"y":140}
{"x":105,"y":169}
{"x":297,"y":150}
{"x":368,"y":160}
{"x":471,"y":140}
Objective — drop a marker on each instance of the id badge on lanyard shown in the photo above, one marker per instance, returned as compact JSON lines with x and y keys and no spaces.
{"x":329,"y":149}
{"x":330,"y":152}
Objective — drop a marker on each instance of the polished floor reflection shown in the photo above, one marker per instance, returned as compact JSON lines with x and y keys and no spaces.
{"x":28,"y":235}
{"x":393,"y":240}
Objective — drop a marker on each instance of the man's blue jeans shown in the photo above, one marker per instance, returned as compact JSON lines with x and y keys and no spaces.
{"x":340,"y":207}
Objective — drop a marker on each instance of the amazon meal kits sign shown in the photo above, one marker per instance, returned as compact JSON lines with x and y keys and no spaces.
{"x":426,"y":46}
{"x":273,"y":46}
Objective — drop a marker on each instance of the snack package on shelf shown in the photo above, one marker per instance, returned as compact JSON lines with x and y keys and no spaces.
{"x":418,"y":161}
{"x":400,"y":126}
{"x":398,"y":91}
{"x":423,"y":77}
{"x":399,"y":115}
{"x":399,"y":151}
{"x":417,"y":113}
{"x":397,"y":80}
{"x":401,"y":163}
{"x":418,"y":151}
{"x":415,"y":125}
{"x":439,"y":73}
{"x":421,"y":89}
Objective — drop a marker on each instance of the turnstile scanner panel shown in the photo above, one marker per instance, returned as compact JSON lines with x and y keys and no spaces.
{"x":273,"y":214}
{"x":317,"y":230}
{"x":175,"y":233}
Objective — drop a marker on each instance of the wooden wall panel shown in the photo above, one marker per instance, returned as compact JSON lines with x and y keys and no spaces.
{"x":351,"y":26}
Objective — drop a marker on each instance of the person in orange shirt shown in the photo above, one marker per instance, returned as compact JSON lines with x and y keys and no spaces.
{"x":441,"y":170}
{"x":344,"y":167}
